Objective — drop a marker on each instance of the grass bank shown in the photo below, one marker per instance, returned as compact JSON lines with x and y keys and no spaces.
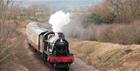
{"x":108,"y":56}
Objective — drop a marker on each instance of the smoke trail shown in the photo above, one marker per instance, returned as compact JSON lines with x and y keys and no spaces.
{"x":76,"y":28}
{"x":58,"y":20}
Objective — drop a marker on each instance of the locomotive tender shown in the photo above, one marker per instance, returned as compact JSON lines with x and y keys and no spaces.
{"x":52,"y":45}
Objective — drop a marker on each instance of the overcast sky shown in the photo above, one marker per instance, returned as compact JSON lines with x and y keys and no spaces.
{"x":63,"y":4}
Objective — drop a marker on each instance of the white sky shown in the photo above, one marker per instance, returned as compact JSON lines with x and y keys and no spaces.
{"x":62,"y":4}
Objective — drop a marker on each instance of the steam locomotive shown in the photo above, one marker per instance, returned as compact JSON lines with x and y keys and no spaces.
{"x":53,"y":46}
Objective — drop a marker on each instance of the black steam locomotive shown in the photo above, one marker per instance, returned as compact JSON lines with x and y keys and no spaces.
{"x":53,"y":46}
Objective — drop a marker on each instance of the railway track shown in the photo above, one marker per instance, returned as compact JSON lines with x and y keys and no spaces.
{"x":78,"y":65}
{"x":31,"y":61}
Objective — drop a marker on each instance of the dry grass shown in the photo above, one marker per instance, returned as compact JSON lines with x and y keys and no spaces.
{"x":8,"y":41}
{"x":107,"y":56}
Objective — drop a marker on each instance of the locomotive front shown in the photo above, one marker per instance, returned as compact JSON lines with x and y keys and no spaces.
{"x":58,"y":45}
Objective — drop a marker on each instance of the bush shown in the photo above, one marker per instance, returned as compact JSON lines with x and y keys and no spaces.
{"x":119,"y":33}
{"x":93,"y":18}
{"x":8,"y":31}
{"x":115,"y":33}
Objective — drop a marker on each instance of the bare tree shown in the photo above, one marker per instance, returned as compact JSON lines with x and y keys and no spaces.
{"x":125,"y":10}
{"x":37,"y":11}
{"x":121,"y":10}
{"x":6,"y":29}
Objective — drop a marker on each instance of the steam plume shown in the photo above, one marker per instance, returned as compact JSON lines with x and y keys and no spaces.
{"x":58,"y":20}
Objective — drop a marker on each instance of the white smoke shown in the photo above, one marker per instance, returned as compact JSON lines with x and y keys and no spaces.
{"x":58,"y":20}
